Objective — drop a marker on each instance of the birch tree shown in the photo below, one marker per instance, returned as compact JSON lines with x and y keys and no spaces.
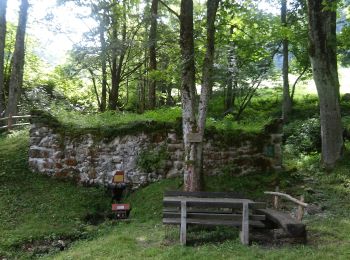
{"x":193,"y":128}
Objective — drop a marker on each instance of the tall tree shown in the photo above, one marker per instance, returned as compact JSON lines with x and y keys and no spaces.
{"x":193,"y":130}
{"x":3,"y":5}
{"x":323,"y":56}
{"x":102,"y":31}
{"x":116,"y":70}
{"x":287,"y":101}
{"x":153,"y":54}
{"x":16,"y":78}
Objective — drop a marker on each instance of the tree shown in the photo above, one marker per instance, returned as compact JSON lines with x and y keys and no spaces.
{"x":16,"y":78}
{"x":3,"y":5}
{"x":323,"y":56}
{"x":193,"y":130}
{"x":287,"y":101}
{"x":153,"y":54}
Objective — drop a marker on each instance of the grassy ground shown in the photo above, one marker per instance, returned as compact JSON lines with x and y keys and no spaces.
{"x":40,"y":215}
{"x":34,"y":207}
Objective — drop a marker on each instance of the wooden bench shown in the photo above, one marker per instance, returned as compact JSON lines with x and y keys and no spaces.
{"x":213,"y":209}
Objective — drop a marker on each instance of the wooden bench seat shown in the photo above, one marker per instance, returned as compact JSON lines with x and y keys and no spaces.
{"x":276,"y":219}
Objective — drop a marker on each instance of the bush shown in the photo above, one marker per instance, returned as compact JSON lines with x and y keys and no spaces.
{"x":304,"y":136}
{"x":150,"y":160}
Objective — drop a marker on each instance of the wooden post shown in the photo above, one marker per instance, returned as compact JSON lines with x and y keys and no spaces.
{"x":183,"y":227}
{"x":276,"y":199}
{"x":300,"y":212}
{"x":9,"y":122}
{"x":244,"y":235}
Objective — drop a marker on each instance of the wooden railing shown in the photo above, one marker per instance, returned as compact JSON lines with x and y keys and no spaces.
{"x":11,"y":121}
{"x":301,"y":204}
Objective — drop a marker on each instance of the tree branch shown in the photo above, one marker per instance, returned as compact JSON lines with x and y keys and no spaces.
{"x":170,"y":10}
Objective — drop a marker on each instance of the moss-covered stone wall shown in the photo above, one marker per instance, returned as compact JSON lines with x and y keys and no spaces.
{"x":146,"y":155}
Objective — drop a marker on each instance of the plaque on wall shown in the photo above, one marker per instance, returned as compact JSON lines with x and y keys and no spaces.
{"x":194,"y":137}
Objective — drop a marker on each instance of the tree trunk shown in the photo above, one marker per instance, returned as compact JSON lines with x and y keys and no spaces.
{"x":232,"y":76}
{"x":103,"y":67}
{"x":16,"y":78}
{"x":323,"y":56}
{"x":287,"y":101}
{"x":192,"y":179}
{"x":3,"y":4}
{"x":207,"y":79}
{"x":95,"y":87}
{"x":117,"y":71}
{"x":193,"y":131}
{"x":153,"y":54}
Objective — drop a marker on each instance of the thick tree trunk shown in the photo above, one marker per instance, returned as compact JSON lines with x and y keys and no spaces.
{"x":3,"y":4}
{"x":193,"y":132}
{"x":192,"y":179}
{"x":287,"y":101}
{"x":103,"y":67}
{"x":153,"y":54}
{"x":322,"y":33}
{"x":16,"y":78}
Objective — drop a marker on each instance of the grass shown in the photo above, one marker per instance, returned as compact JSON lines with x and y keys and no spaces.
{"x":35,"y":207}
{"x":36,"y":211}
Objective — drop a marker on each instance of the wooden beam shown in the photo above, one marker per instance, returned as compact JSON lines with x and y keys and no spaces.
{"x":183,"y":227}
{"x":245,"y":225}
{"x":288,"y":197}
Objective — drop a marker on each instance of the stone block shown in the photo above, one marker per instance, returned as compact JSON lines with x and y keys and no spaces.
{"x":174,"y":147}
{"x":71,"y":162}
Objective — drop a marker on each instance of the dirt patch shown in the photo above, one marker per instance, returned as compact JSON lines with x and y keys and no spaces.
{"x":46,"y":246}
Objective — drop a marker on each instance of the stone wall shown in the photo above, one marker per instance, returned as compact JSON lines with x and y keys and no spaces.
{"x":91,"y":160}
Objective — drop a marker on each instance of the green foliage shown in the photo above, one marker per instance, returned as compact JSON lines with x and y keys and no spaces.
{"x":303,"y":136}
{"x":152,"y":159}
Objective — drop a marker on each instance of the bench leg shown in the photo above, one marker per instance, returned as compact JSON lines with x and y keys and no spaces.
{"x":183,"y":227}
{"x":244,"y":234}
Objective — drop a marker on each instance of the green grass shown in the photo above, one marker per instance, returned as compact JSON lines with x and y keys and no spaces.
{"x":37,"y":211}
{"x":36,"y":207}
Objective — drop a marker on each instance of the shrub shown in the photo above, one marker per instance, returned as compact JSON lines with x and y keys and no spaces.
{"x":304,"y":136}
{"x":150,"y":160}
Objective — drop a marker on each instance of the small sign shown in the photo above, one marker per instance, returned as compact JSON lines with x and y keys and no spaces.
{"x":120,"y":207}
{"x":118,"y":177}
{"x":194,"y":137}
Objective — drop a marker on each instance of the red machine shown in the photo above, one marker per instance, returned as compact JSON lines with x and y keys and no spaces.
{"x":119,"y":188}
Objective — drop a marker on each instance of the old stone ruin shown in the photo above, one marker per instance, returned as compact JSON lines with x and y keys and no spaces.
{"x":146,"y":152}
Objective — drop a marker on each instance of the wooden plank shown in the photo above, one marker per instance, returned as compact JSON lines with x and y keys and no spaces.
{"x":212,"y":222}
{"x":204,"y":194}
{"x":213,"y":215}
{"x":6,"y":126}
{"x":16,"y":117}
{"x":245,"y":225}
{"x":183,"y":227}
{"x":282,"y":220}
{"x":211,"y":202}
